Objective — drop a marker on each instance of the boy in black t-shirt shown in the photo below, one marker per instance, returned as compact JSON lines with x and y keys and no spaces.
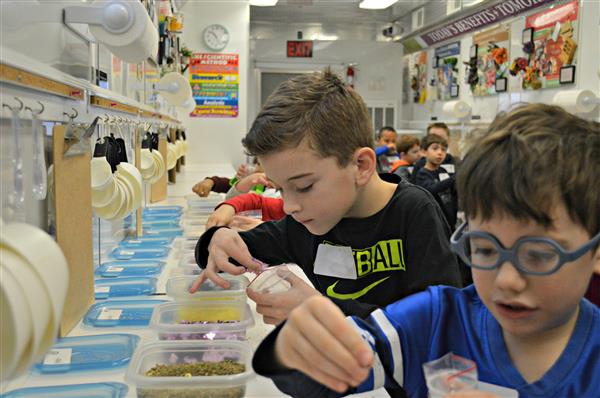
{"x":435,"y":178}
{"x":362,"y":242}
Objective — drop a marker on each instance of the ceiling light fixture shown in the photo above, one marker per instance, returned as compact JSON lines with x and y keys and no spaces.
{"x":376,"y":4}
{"x":263,"y":3}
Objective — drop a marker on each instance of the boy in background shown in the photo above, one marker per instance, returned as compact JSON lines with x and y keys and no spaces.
{"x":386,"y":149}
{"x":532,"y":238}
{"x":409,"y":149}
{"x":436,"y":179}
{"x":450,"y":162}
{"x":361,"y":241}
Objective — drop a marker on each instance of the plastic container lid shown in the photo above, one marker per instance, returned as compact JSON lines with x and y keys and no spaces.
{"x":88,"y":390}
{"x":163,"y":233}
{"x":162,"y":209}
{"x":185,"y":244}
{"x":178,"y":288}
{"x":187,"y":259}
{"x":163,"y":223}
{"x":117,"y":313}
{"x":89,"y":353}
{"x":120,"y":253}
{"x":113,"y":269}
{"x":133,"y":242}
{"x":121,"y":287}
{"x":212,"y":320}
{"x":174,"y":352}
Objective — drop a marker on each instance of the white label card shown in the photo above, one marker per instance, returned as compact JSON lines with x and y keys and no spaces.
{"x":336,"y":261}
{"x":114,"y":269}
{"x":443,"y":176}
{"x":109,"y":314}
{"x":102,"y":289}
{"x":448,"y":167}
{"x":58,"y":356}
{"x":134,"y":241}
{"x":126,"y":253}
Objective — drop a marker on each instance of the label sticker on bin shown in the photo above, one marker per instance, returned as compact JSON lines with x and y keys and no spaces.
{"x":109,"y":314}
{"x":126,"y":253}
{"x":101,"y":289}
{"x":114,"y":269}
{"x":58,"y":356}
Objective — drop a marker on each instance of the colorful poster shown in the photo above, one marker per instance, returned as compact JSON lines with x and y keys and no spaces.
{"x":554,"y":44}
{"x":492,"y":60}
{"x":418,"y":76}
{"x":446,"y":59}
{"x":215,"y":84}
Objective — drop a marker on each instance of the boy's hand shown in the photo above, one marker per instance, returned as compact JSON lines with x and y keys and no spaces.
{"x":225,"y":243}
{"x":244,"y":223}
{"x":222,"y":216}
{"x":204,"y":187}
{"x":246,"y":183}
{"x":319,"y":341}
{"x":242,"y":171}
{"x":275,"y":307}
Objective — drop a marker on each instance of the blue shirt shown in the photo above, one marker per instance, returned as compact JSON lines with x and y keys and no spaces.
{"x":428,"y":325}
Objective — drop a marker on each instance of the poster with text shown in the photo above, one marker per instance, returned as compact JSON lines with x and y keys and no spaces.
{"x":446,"y":70}
{"x":555,"y":43}
{"x":418,"y":76}
{"x":214,"y":79}
{"x":492,"y":59}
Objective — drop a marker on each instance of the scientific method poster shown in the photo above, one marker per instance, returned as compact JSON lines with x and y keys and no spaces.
{"x":492,"y":59}
{"x":555,"y":42}
{"x":215,"y":84}
{"x":446,"y":70}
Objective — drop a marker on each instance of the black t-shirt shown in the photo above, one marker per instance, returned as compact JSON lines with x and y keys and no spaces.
{"x":400,"y":250}
{"x":440,"y":182}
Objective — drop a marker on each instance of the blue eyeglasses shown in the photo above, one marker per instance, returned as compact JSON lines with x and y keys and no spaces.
{"x":530,"y":255}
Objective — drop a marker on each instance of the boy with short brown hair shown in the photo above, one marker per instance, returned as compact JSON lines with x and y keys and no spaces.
{"x":361,"y":241}
{"x":530,"y":193}
{"x":408,"y":148}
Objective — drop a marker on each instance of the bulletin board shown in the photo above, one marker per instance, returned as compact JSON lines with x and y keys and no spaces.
{"x":418,"y":76}
{"x":554,"y":44}
{"x":445,"y":65}
{"x":492,"y":59}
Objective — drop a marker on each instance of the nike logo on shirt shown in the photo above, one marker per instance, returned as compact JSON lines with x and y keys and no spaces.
{"x":355,"y":295}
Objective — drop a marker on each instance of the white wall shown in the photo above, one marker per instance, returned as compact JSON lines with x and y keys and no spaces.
{"x":587,"y":74}
{"x":378,"y":75}
{"x":218,"y":140}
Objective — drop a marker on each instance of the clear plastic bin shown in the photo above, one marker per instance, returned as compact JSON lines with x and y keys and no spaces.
{"x":125,"y":286}
{"x":117,"y":313}
{"x":89,"y":390}
{"x":187,"y":259}
{"x":235,"y":296}
{"x":200,"y":321}
{"x":186,"y":270}
{"x":181,"y":352}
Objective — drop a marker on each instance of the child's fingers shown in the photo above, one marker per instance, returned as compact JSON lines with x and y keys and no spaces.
{"x":332,"y":319}
{"x":198,"y":282}
{"x":319,"y":374}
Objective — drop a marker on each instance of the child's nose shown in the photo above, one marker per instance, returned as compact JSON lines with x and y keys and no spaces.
{"x":508,"y":278}
{"x":290,"y":206}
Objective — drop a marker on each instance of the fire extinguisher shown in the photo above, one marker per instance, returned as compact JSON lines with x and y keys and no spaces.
{"x":350,"y":71}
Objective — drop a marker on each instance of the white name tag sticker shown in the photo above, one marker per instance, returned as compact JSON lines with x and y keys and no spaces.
{"x":109,"y":314}
{"x":58,"y":356}
{"x":443,"y":176}
{"x":336,"y":261}
{"x":448,"y":167}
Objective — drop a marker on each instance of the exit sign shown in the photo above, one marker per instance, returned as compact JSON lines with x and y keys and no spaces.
{"x":299,"y":48}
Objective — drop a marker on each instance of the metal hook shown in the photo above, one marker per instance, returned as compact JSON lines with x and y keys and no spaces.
{"x":72,"y":116}
{"x":14,"y":109}
{"x":36,"y":112}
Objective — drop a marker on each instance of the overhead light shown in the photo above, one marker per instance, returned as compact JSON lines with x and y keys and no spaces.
{"x":263,"y":3}
{"x":469,"y":3}
{"x":376,"y":4}
{"x":322,"y":37}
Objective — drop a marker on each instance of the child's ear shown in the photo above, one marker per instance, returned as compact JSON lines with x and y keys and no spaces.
{"x":596,"y":260}
{"x":365,"y":161}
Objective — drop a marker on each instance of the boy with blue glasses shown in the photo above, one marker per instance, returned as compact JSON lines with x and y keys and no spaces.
{"x":531,"y":197}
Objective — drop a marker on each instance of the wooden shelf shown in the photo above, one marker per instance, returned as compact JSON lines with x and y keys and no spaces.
{"x":20,"y":77}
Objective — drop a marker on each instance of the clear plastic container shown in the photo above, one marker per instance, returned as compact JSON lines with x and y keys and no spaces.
{"x":450,"y":374}
{"x":162,"y":210}
{"x":178,"y":288}
{"x":131,"y":268}
{"x":123,"y":287}
{"x":272,"y":280}
{"x":186,"y":270}
{"x":139,"y":254}
{"x":89,"y":353}
{"x":179,"y":352}
{"x":121,"y":313}
{"x":187,"y":259}
{"x":186,"y":245}
{"x":200,"y":321}
{"x":88,"y":390}
{"x":163,"y":233}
